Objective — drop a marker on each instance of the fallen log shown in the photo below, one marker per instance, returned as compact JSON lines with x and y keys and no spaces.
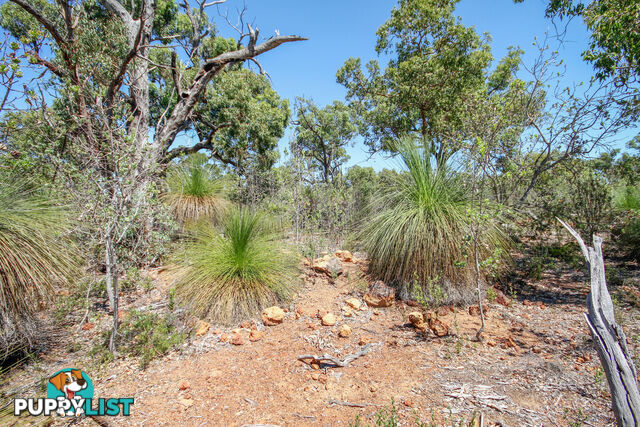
{"x":609,"y":339}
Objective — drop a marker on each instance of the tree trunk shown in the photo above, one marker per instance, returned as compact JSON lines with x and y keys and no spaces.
{"x":112,"y":287}
{"x":609,"y":339}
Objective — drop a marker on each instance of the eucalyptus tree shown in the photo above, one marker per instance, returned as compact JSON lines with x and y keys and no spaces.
{"x":126,"y":78}
{"x":322,"y":135}
{"x":435,"y":64}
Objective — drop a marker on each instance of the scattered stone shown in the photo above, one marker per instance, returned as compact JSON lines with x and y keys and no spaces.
{"x":321,"y":313}
{"x":202,"y":328}
{"x":88,"y":326}
{"x":328,"y":319}
{"x":345,"y":331}
{"x":347,"y":311}
{"x":315,"y":366}
{"x":536,"y":350}
{"x":237,"y":339}
{"x":373,"y":388}
{"x":315,"y":376}
{"x":272,"y":316}
{"x":255,"y":335}
{"x":245,"y":325}
{"x":354,"y":303}
{"x":379,"y":295}
{"x":217,"y":331}
{"x":331,"y":266}
{"x":502,"y":299}
{"x":236,"y":330}
{"x":365,"y":340}
{"x":187,"y":403}
{"x":474,"y":310}
{"x":438,"y":327}
{"x":184,"y":385}
{"x":408,"y":403}
{"x":344,"y":255}
{"x":416,"y":318}
{"x":224,"y":338}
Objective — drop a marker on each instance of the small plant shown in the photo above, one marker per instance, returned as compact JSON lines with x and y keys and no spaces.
{"x":147,"y":335}
{"x":384,"y":417}
{"x":233,"y":272}
{"x":536,"y":267}
{"x":172,"y":299}
{"x":491,"y":295}
{"x":429,"y":295}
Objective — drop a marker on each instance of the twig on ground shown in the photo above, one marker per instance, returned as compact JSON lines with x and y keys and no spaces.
{"x":310,"y":358}
{"x":333,"y":402}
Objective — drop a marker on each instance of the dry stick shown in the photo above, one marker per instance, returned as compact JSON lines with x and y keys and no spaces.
{"x":333,"y":402}
{"x":338,"y":363}
{"x":609,"y":338}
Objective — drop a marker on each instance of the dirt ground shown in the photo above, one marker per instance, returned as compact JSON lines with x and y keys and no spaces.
{"x":535,"y":365}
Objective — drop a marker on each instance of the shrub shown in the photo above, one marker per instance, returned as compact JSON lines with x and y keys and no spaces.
{"x":34,"y":256}
{"x":226,"y":274}
{"x":422,"y":228}
{"x":147,"y":335}
{"x":193,"y":192}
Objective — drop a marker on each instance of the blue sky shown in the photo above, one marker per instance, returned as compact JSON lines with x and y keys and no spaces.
{"x":338,"y":30}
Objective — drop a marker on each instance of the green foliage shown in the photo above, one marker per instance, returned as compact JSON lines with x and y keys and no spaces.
{"x":322,"y":135}
{"x":194,"y":192}
{"x":147,"y":336}
{"x":35,"y":257}
{"x":384,"y":417}
{"x":419,"y":228}
{"x":428,"y":48}
{"x":234,"y":272}
{"x":614,"y":49}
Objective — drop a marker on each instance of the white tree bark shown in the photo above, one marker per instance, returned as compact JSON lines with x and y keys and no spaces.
{"x":609,"y":339}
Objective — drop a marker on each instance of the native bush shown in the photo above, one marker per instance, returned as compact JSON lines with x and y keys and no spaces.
{"x":229,"y":272}
{"x":35,"y":256}
{"x":193,"y":191}
{"x":421,"y":228}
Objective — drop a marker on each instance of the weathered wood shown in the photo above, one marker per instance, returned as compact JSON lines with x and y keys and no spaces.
{"x":310,"y":358}
{"x":608,"y":338}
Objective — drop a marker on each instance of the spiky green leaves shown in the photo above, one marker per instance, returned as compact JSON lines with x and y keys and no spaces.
{"x":194,"y":192}
{"x":422,"y":228}
{"x":34,"y":256}
{"x":231,"y":272}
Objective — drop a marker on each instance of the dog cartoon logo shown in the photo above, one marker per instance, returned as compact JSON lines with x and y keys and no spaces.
{"x":73,"y":385}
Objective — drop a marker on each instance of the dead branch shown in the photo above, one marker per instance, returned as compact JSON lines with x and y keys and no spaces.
{"x":609,"y":338}
{"x":310,"y":358}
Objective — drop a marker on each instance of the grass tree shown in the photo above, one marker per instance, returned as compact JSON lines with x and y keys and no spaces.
{"x":421,"y":229}
{"x":229,"y":272}
{"x":34,"y":256}
{"x":193,"y":192}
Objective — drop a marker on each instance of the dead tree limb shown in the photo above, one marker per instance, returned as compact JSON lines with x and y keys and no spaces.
{"x":609,"y":339}
{"x":310,"y":358}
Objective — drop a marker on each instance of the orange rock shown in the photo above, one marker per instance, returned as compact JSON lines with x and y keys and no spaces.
{"x":237,"y":339}
{"x":184,"y":385}
{"x":224,"y":338}
{"x":272,"y":316}
{"x":87,"y":326}
{"x":438,"y":327}
{"x":202,"y":328}
{"x":255,"y":335}
{"x":379,"y":295}
{"x":329,"y":319}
